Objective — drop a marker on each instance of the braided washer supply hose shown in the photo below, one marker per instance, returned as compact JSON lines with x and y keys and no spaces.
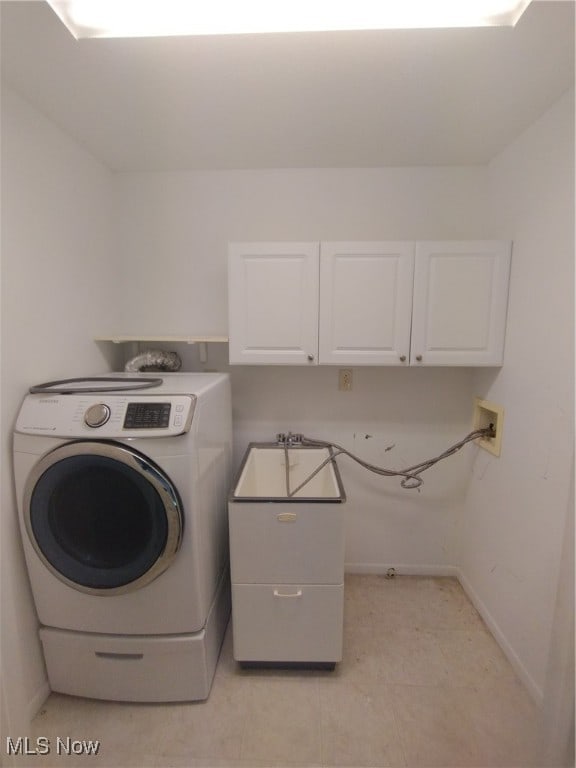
{"x":411,"y":475}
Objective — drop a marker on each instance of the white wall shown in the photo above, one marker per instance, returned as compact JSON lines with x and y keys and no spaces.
{"x":512,"y":529}
{"x":173,"y":230}
{"x":557,"y":748}
{"x":57,"y":293}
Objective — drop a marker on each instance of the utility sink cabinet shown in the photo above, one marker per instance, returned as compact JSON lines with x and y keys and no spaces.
{"x":287,"y":559}
{"x":369,"y":303}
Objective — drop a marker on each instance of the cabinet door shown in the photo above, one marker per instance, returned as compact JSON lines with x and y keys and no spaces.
{"x":273,"y":303}
{"x":460,"y":302}
{"x":365,"y":303}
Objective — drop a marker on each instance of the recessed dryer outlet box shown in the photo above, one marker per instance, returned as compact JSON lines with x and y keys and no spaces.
{"x":486,"y":414}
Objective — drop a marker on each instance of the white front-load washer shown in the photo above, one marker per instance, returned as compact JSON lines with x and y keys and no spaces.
{"x":122,"y":506}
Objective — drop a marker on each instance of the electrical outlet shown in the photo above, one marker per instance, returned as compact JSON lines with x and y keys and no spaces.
{"x":488,"y":414}
{"x":345,"y":379}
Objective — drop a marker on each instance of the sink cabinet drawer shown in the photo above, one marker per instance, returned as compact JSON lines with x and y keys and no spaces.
{"x":287,"y":622}
{"x":286,"y":543}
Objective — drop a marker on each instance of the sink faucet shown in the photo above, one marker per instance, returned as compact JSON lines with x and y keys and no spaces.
{"x":288,"y":440}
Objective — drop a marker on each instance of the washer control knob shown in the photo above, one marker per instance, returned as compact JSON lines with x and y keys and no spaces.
{"x":97,"y":415}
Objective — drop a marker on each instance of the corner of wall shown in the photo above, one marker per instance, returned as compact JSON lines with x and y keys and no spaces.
{"x":512,"y":527}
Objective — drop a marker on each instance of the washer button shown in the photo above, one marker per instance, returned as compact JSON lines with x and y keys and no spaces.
{"x":97,"y":415}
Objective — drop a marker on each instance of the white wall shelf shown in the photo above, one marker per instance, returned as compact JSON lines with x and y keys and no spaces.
{"x":120,"y":339}
{"x":136,"y":340}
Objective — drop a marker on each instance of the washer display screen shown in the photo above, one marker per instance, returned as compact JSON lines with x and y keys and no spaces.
{"x":147,"y":416}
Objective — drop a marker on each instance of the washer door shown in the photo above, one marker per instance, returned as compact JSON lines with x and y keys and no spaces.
{"x":102,"y":517}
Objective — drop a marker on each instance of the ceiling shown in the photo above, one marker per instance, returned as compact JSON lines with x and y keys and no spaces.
{"x":357,"y":99}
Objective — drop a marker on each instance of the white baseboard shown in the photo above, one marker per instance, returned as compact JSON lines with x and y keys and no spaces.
{"x":401,"y":569}
{"x":533,"y":689}
{"x":36,"y":702}
{"x":455,"y":572}
{"x":22,"y":727}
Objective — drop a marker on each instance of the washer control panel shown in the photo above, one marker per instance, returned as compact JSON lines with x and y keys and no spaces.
{"x":107,"y":415}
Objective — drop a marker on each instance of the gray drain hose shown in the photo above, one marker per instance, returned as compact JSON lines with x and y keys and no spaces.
{"x":104,"y":384}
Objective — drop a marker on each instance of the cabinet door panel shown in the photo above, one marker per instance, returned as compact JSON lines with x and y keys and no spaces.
{"x":273,"y":303}
{"x":287,"y":622}
{"x":365,"y":302}
{"x":460,"y":303}
{"x":264,"y":549}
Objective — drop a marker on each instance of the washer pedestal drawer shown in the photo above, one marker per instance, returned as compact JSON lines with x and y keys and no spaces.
{"x":142,"y":668}
{"x":286,"y":623}
{"x":127,"y":668}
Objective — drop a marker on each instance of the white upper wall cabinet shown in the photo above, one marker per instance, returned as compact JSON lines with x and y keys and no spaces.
{"x":273,"y":303}
{"x":460,"y":302}
{"x":365,"y":303}
{"x":368,"y":303}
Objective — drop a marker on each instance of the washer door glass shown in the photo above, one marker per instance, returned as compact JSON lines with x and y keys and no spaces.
{"x":102,"y":517}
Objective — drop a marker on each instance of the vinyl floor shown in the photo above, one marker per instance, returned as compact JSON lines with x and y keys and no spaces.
{"x":422,"y":684}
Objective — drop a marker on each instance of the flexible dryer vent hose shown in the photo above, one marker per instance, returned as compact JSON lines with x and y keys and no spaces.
{"x":154,"y":360}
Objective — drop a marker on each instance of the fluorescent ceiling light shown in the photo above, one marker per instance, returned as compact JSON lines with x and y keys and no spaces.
{"x":159,"y":18}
